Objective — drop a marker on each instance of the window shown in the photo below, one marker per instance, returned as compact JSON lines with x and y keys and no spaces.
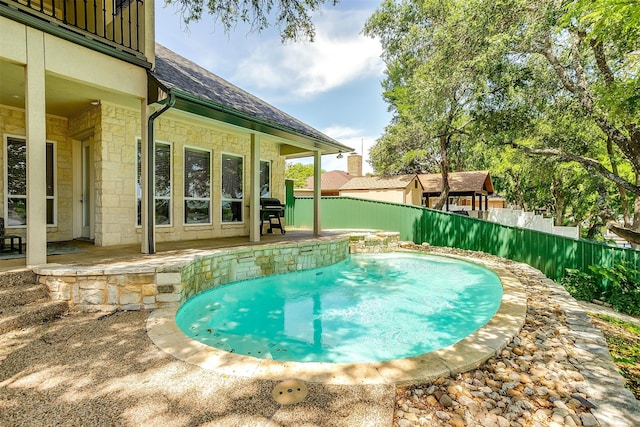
{"x":265,"y":178}
{"x":232,"y":188}
{"x":197,"y":186}
{"x":16,"y":179}
{"x":162,"y":163}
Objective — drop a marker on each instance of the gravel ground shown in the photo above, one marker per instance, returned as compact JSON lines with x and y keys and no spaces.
{"x":556,"y":372}
{"x":96,"y":369}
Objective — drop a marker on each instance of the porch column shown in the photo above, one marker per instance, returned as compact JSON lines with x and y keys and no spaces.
{"x":473,"y":202}
{"x":35,"y":97}
{"x":254,"y":201}
{"x":317,"y":186}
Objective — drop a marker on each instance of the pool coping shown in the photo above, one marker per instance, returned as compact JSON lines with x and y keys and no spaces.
{"x":462,"y":356}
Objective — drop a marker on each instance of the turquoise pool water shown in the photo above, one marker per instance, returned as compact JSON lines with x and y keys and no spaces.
{"x":367,"y":308}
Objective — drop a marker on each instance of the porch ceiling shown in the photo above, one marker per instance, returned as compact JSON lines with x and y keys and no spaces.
{"x":64,"y":97}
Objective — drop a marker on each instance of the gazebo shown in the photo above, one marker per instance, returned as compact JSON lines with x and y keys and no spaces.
{"x":469,"y":186}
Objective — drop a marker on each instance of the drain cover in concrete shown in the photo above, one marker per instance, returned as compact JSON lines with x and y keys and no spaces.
{"x":289,"y":392}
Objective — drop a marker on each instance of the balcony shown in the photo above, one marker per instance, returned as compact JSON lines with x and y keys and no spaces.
{"x":113,"y":27}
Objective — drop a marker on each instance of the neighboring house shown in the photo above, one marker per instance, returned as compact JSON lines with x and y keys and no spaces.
{"x":469,"y":190}
{"x":330,"y":183}
{"x":404,"y":189}
{"x":88,"y":101}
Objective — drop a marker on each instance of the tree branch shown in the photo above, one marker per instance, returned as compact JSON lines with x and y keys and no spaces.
{"x":557,"y":66}
{"x":627,"y":234}
{"x":579,"y":69}
{"x":601,"y":62}
{"x":580,"y":90}
{"x":588,"y":163}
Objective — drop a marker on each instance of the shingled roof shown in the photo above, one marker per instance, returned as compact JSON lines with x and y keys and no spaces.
{"x":459,"y":182}
{"x":178,"y":73}
{"x":331,"y":180}
{"x":378,"y":182}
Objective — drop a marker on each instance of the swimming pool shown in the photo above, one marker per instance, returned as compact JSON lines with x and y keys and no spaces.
{"x":367,"y":308}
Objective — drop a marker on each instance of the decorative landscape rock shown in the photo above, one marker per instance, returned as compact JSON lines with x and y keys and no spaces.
{"x":542,"y":378}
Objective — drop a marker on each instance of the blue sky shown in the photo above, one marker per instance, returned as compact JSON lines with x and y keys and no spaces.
{"x":332,"y":84}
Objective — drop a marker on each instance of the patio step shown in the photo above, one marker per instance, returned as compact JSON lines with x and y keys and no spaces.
{"x":22,"y":295}
{"x":24,"y":303}
{"x":31,"y":314}
{"x":11,"y":279}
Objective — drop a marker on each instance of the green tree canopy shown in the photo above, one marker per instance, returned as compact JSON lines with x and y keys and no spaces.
{"x":433,"y":80}
{"x":292,"y":17}
{"x":299,"y":174}
{"x":555,"y":79}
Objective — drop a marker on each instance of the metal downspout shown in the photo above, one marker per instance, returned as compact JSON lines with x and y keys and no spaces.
{"x":151,"y":206}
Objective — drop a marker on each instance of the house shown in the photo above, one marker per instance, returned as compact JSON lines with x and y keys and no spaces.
{"x":330,"y":183}
{"x":405,"y":189}
{"x":109,"y":137}
{"x":466,"y":189}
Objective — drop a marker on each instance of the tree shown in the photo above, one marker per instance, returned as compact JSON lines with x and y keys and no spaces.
{"x":299,"y":174}
{"x":292,"y":17}
{"x":402,"y":150}
{"x":433,"y":80}
{"x":593,"y":60}
{"x":557,"y":79}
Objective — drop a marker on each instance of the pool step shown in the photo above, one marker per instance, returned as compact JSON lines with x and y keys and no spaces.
{"x":24,"y":303}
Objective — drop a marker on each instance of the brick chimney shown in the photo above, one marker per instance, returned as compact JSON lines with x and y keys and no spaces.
{"x":354,"y":165}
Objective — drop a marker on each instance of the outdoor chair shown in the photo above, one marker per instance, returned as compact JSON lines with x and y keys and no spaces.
{"x":11,"y":237}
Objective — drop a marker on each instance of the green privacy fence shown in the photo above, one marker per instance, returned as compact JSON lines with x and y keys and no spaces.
{"x":549,"y":253}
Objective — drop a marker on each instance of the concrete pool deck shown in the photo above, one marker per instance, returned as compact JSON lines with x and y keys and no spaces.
{"x":463,"y":356}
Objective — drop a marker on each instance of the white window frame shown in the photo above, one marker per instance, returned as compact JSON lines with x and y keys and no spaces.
{"x":54,"y":198}
{"x":270,"y":162}
{"x":184,"y":177}
{"x":156,"y":198}
{"x":223,"y":199}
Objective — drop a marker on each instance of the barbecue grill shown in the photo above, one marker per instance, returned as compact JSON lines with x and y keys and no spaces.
{"x":271,"y":210}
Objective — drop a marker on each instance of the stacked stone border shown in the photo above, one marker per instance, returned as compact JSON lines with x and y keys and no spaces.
{"x":169,"y":280}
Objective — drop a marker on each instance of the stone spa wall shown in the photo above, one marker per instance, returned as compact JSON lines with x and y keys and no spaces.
{"x":171,"y":280}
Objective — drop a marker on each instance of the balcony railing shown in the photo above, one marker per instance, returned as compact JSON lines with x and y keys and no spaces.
{"x":120,"y":23}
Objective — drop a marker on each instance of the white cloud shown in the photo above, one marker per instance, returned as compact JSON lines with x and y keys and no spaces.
{"x":341,"y":132}
{"x":351,"y":138}
{"x":339,"y":54}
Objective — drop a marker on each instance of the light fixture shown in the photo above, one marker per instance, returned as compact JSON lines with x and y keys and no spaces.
{"x":340,"y":155}
{"x":95,"y":103}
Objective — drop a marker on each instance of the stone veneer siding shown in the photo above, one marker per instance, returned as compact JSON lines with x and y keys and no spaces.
{"x":171,"y":281}
{"x":116,"y":168}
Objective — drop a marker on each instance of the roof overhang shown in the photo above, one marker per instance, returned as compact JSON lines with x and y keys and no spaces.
{"x":301,"y":143}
